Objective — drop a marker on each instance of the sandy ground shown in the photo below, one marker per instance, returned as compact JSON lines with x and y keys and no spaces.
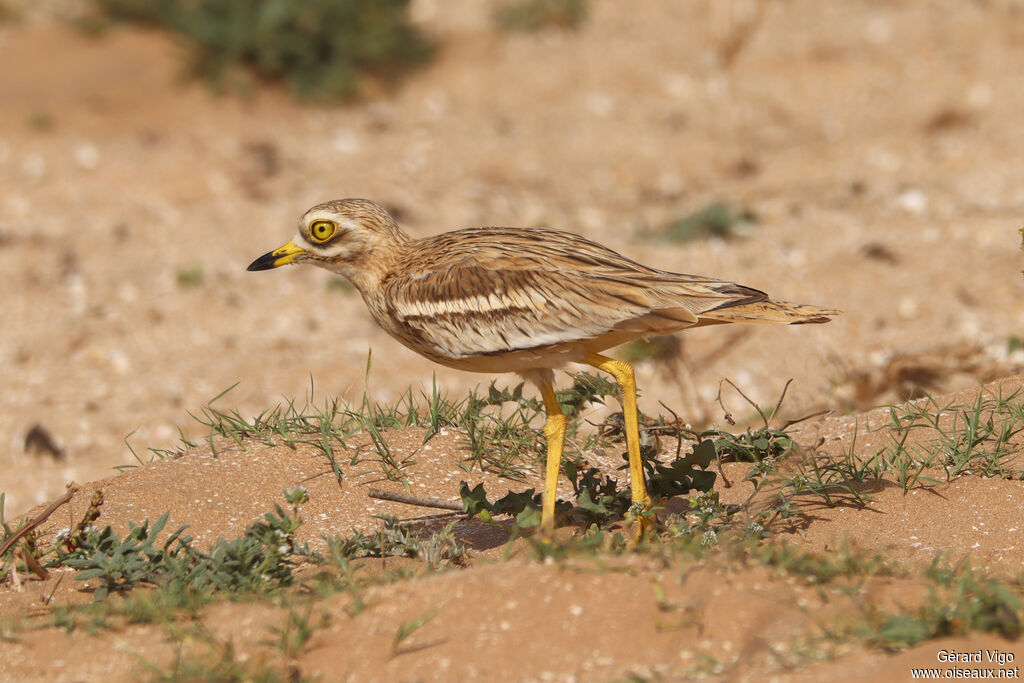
{"x":878,"y":144}
{"x":499,"y":617}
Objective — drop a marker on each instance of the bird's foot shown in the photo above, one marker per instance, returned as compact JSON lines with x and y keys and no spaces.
{"x":643,"y":513}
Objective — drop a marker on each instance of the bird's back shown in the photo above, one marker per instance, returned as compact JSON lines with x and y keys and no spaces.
{"x":478,"y":297}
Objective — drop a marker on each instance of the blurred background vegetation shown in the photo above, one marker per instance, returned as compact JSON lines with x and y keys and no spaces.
{"x":323,"y":50}
{"x":319,"y":48}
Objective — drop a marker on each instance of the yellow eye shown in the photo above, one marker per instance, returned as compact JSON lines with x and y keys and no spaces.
{"x":322,"y":231}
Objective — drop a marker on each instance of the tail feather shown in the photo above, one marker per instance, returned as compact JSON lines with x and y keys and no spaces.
{"x":768,"y":311}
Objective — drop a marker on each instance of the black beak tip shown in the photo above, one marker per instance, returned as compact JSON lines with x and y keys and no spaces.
{"x":265,"y":262}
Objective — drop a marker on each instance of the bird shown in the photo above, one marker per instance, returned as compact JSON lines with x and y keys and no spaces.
{"x":523,"y":300}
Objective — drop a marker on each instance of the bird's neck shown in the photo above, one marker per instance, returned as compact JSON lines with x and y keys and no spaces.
{"x":376,"y":264}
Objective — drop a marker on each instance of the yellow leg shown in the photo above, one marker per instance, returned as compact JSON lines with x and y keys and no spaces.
{"x":554,"y":430}
{"x":623,"y":374}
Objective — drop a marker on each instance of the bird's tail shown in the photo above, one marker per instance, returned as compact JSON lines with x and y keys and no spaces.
{"x":768,"y":311}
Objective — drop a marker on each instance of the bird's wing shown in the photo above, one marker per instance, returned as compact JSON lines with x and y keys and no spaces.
{"x":480,"y":300}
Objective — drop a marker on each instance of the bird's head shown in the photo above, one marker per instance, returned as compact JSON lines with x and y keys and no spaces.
{"x":351,"y":237}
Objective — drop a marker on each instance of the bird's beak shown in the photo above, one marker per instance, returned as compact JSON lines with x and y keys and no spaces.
{"x":279,"y":257}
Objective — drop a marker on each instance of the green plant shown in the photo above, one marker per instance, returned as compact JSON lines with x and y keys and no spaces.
{"x":819,"y":568}
{"x":320,"y":48}
{"x":11,"y":627}
{"x":978,"y":437}
{"x":8,"y":557}
{"x":407,"y":628}
{"x":500,"y":427}
{"x":764,"y":443}
{"x":599,"y":499}
{"x":394,"y":539}
{"x":292,"y":636}
{"x":259,"y":560}
{"x":499,"y":440}
{"x":532,"y":15}
{"x":219,"y":662}
{"x":340,"y":284}
{"x":659,"y":347}
{"x":190,"y":276}
{"x":962,"y":602}
{"x":716,"y":219}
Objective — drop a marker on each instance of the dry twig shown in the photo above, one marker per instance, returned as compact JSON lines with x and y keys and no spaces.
{"x":39,"y":519}
{"x":408,"y":499}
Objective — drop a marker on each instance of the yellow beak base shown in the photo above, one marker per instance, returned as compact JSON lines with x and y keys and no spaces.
{"x":279,"y":257}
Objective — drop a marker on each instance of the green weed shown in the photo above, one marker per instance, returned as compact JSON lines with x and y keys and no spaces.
{"x":600,"y":501}
{"x":961,"y":603}
{"x":219,"y":662}
{"x":716,"y":219}
{"x":257,"y":561}
{"x":394,"y":539}
{"x":533,"y":15}
{"x":658,"y":347}
{"x":406,"y":629}
{"x":321,"y":49}
{"x":190,"y":276}
{"x":340,"y":284}
{"x":977,"y":438}
{"x":292,"y":636}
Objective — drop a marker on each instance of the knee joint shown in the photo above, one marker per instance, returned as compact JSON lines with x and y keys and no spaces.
{"x":622,"y":371}
{"x":555,"y":424}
